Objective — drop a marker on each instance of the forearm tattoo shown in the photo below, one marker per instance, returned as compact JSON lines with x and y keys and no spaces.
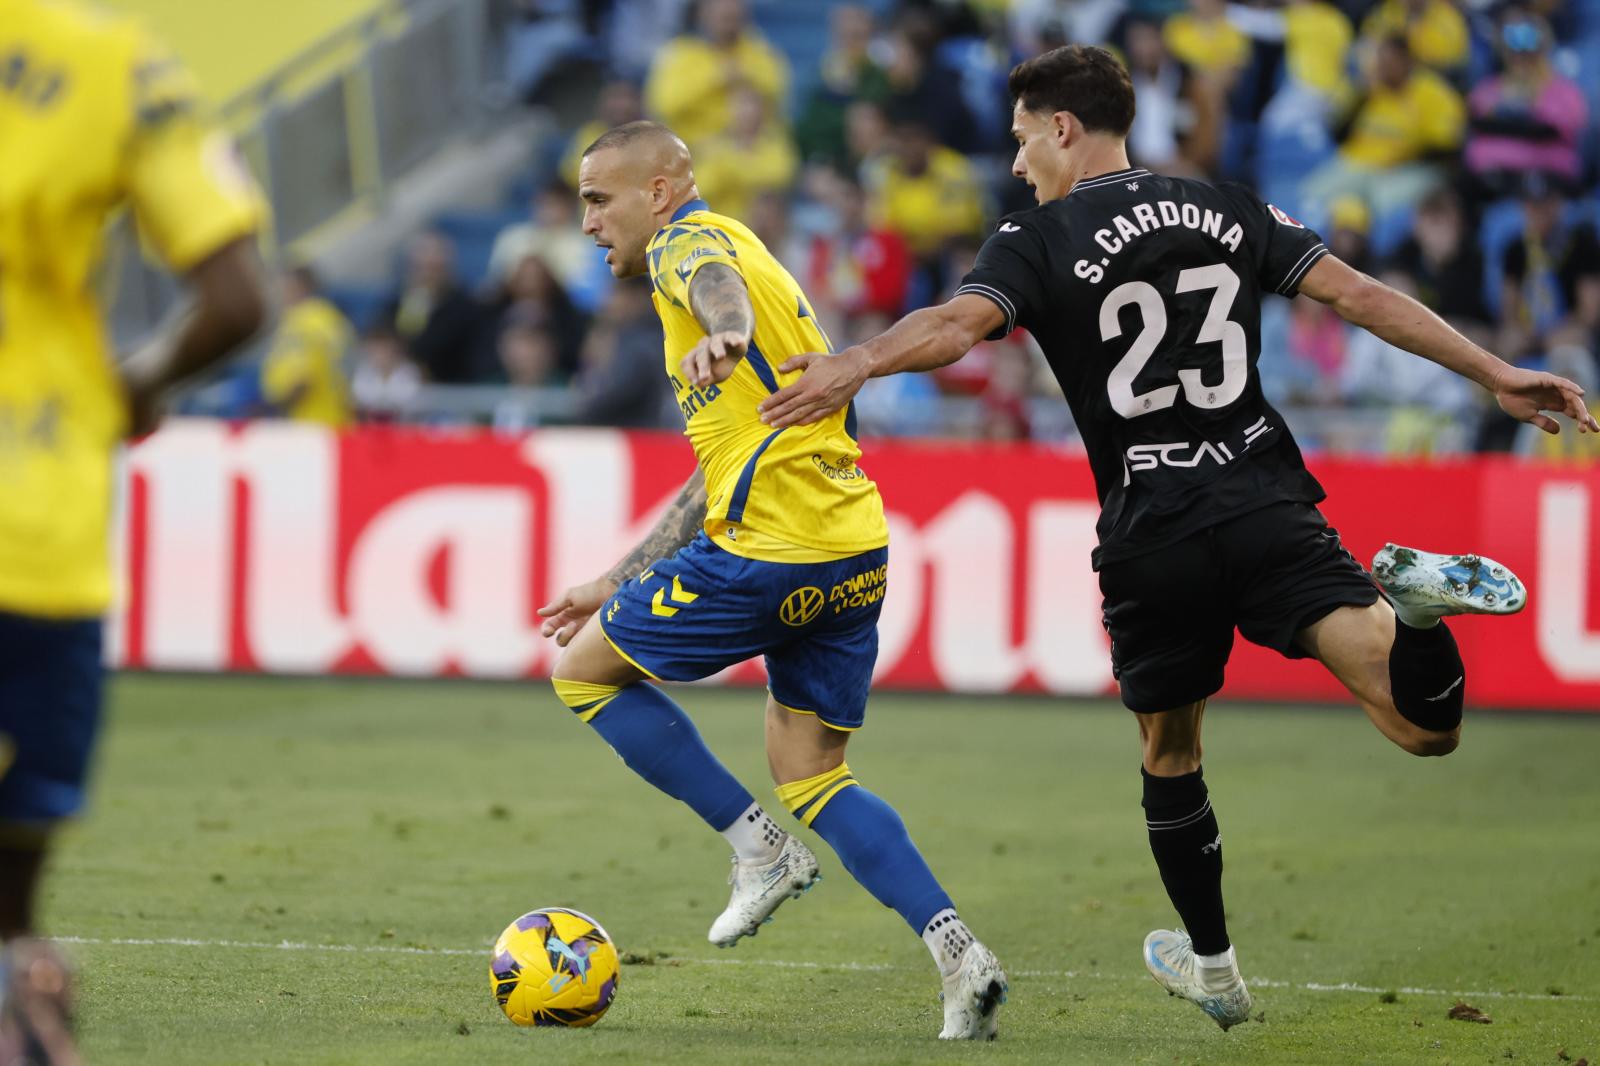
{"x":683,"y":520}
{"x":720,"y":301}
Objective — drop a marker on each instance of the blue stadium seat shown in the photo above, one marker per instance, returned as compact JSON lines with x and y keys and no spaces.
{"x":1389,"y":231}
{"x":361,"y":304}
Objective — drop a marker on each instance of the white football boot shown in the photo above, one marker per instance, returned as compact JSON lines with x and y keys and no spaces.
{"x":1438,"y":585}
{"x":972,"y":996}
{"x":759,"y":889}
{"x":1169,"y":956}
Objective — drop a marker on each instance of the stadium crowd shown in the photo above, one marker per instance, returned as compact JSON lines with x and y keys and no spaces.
{"x":1450,"y":148}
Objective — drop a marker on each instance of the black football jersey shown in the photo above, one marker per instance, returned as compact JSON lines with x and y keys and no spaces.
{"x":1145,"y":293}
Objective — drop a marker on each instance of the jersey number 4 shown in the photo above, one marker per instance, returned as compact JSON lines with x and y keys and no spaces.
{"x":1218,"y":327}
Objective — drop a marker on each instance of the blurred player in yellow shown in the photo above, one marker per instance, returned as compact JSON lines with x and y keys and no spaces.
{"x":776,"y":547}
{"x":93,"y":117}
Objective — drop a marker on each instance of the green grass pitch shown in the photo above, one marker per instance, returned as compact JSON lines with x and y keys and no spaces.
{"x":311,"y":872}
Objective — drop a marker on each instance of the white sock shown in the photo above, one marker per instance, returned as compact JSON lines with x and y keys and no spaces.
{"x":1217,"y":972}
{"x":948,"y":937}
{"x":1414,"y":617}
{"x":755,"y":836}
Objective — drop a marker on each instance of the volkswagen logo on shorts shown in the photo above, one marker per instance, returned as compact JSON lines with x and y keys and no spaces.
{"x":801,"y":606}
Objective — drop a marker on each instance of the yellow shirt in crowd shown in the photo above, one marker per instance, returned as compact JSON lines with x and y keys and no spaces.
{"x":944,"y":201}
{"x":691,"y":83}
{"x":1400,"y":126}
{"x":1438,"y":37}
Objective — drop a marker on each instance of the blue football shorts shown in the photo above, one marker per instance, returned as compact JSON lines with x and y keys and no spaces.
{"x":51,"y":681}
{"x":705,"y":609}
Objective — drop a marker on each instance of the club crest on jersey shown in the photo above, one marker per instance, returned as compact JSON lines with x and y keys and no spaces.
{"x":1283,"y":216}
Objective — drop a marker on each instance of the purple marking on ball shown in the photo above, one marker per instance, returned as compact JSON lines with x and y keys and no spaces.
{"x":607,"y":990}
{"x":534,"y":920}
{"x":582,"y":948}
{"x":505,"y":965}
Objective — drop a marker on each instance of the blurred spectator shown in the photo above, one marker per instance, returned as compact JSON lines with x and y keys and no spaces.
{"x":1408,"y":118}
{"x":1003,"y":407}
{"x":540,"y":37}
{"x":768,"y":217}
{"x":1317,"y":38}
{"x":1203,"y":40}
{"x":755,"y":155}
{"x":434,"y":316}
{"x":868,"y":135}
{"x":1349,"y":226}
{"x":619,"y":103}
{"x":302,"y":376}
{"x":921,"y":85}
{"x":897,"y":405}
{"x":852,"y":267}
{"x":386,"y":382}
{"x":692,"y":82}
{"x":532,"y":298}
{"x":924,"y":191}
{"x":553,"y":233}
{"x":1427,"y":402}
{"x":1177,"y":125}
{"x":527,"y":351}
{"x":1551,"y":287}
{"x":621,"y":382}
{"x":1444,"y":264}
{"x":1529,"y":117}
{"x":1435,"y":30}
{"x":848,"y":74}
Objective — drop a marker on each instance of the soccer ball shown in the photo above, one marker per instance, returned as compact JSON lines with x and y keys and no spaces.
{"x":554,"y":966}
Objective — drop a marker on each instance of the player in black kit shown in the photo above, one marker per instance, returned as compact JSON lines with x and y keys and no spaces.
{"x":1144,"y":292}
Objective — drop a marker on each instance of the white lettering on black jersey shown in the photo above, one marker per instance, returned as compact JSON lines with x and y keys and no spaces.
{"x":1145,"y":293}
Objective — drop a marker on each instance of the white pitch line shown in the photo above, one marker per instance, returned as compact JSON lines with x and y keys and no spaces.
{"x":787,"y":964}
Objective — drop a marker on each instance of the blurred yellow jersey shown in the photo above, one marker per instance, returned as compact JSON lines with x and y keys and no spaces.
{"x":789,"y":495}
{"x":92,"y":115}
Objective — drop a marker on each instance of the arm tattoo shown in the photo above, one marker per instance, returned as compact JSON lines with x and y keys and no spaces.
{"x":683,"y":520}
{"x":720,"y":301}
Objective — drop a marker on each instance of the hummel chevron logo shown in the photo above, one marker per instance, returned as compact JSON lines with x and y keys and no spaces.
{"x":679,"y":595}
{"x":1446,"y":692}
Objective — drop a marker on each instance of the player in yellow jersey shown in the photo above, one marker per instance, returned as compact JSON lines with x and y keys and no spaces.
{"x":777,"y":546}
{"x":302,"y":375}
{"x":93,"y":117}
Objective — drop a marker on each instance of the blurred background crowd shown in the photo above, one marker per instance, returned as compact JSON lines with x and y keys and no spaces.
{"x":1449,"y":147}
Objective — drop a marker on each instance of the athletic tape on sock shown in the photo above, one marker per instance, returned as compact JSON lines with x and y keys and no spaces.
{"x":807,"y":798}
{"x":585,"y":698}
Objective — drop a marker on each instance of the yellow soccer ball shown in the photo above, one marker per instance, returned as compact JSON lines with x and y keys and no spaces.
{"x":554,"y":966}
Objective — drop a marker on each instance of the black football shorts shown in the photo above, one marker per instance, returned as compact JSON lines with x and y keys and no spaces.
{"x":1171,"y":612}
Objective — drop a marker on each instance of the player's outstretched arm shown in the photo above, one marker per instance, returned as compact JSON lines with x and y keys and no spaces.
{"x":228,"y":304}
{"x":721,"y":304}
{"x":923,"y":340}
{"x":1405,"y":323}
{"x":565,"y":615}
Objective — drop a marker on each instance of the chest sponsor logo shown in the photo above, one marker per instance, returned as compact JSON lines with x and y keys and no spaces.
{"x":801,"y":606}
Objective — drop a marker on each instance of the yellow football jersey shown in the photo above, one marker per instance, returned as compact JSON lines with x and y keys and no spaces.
{"x":789,"y":495}
{"x":303,"y":372}
{"x":93,"y":115}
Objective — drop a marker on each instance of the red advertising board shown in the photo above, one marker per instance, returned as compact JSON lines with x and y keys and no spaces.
{"x":281,"y":548}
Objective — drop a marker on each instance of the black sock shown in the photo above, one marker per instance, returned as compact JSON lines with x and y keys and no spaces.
{"x":1188,"y":848}
{"x":1426,"y":677}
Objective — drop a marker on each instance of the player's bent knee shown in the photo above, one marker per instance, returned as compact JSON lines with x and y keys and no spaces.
{"x":1427,"y":744}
